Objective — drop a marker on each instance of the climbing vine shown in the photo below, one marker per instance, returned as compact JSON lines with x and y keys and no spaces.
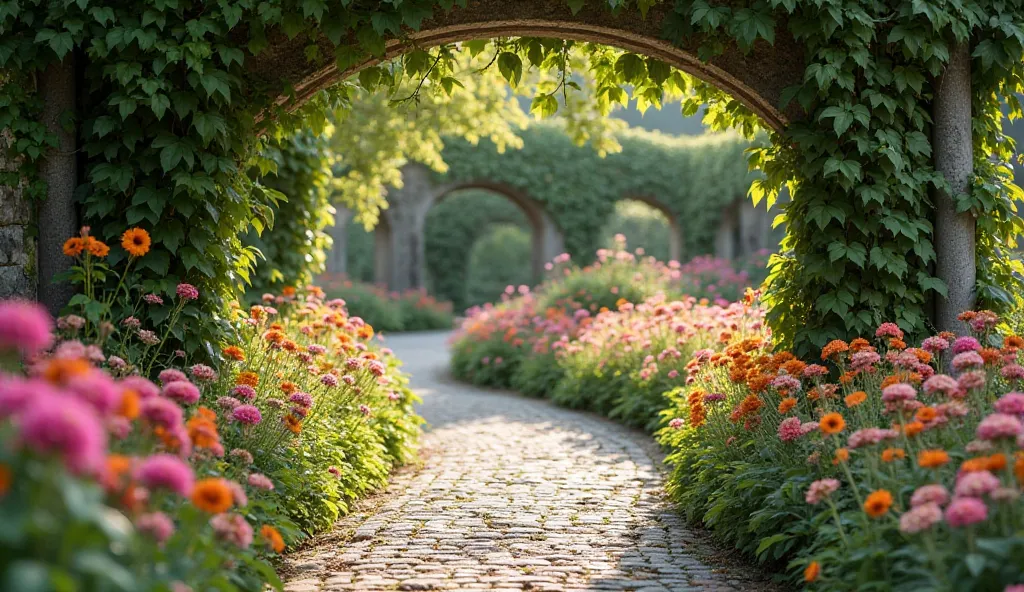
{"x":170,"y":119}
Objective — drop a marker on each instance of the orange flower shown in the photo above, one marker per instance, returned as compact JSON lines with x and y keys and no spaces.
{"x":202,"y":431}
{"x":135,"y":241}
{"x":95,"y":247}
{"x":847,"y":377}
{"x":878,"y":503}
{"x":926,"y":414}
{"x":248,"y":378}
{"x":5,"y":479}
{"x":794,"y":367}
{"x":288,"y":291}
{"x":897,"y":343}
{"x":913,"y":428}
{"x":891,"y":454}
{"x":832,"y":423}
{"x":272,"y":537}
{"x":786,"y":405}
{"x":1018,"y":467}
{"x":860,"y":344}
{"x":206,"y":413}
{"x":274,"y":336}
{"x":1013,"y":342}
{"x":811,"y":572}
{"x":118,"y":466}
{"x":74,"y":246}
{"x":61,"y":371}
{"x":365,"y":332}
{"x":996,"y":462}
{"x":234,"y":352}
{"x":288,"y":387}
{"x":932,"y":459}
{"x":129,"y":406}
{"x":973,"y":465}
{"x":293,"y":423}
{"x":842,"y":455}
{"x":834,"y":347}
{"x":212,"y":495}
{"x":854,"y":399}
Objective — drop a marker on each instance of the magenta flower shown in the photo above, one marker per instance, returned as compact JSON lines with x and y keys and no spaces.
{"x":142,"y":387}
{"x":246,"y":414}
{"x":329,"y":380}
{"x":301,"y":399}
{"x":233,"y":529}
{"x":365,"y":410}
{"x":166,"y":471}
{"x":25,"y":327}
{"x":16,"y":393}
{"x":1012,"y":372}
{"x":228,"y":403}
{"x":967,"y":359}
{"x":790,"y":429}
{"x":965,"y":511}
{"x":98,"y":390}
{"x":1010,"y":404}
{"x":920,"y":518}
{"x":203,"y":373}
{"x":889,"y":330}
{"x":171,"y":375}
{"x":999,"y":425}
{"x":187,"y":292}
{"x":153,"y":299}
{"x":377,"y":368}
{"x":244,"y":392}
{"x":162,"y":412}
{"x":260,"y":481}
{"x":821,"y":489}
{"x":157,"y":525}
{"x":182,"y":391}
{"x":676,"y":423}
{"x":965,"y":344}
{"x":67,"y":427}
{"x":934,"y":345}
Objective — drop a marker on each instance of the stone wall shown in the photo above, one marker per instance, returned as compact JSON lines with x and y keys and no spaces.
{"x":17,"y":249}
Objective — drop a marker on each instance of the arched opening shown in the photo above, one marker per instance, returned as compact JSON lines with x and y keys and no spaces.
{"x":646,"y":224}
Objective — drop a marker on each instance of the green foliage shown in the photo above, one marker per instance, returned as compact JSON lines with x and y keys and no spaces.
{"x":170,"y":117}
{"x":643,"y":226}
{"x":414,"y":310}
{"x":500,"y":258}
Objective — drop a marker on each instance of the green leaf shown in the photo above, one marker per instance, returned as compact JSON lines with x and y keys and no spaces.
{"x":511,"y":67}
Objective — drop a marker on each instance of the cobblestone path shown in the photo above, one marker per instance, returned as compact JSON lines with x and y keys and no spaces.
{"x":513,"y":494}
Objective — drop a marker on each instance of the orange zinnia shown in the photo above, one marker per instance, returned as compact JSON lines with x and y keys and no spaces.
{"x":842,"y":455}
{"x":135,"y":241}
{"x":834,"y":347}
{"x":272,"y":537}
{"x":926,"y":414}
{"x":294,"y":424}
{"x":878,"y":503}
{"x":1018,"y":467}
{"x":996,"y":462}
{"x":60,"y":371}
{"x":811,"y":571}
{"x":248,"y":378}
{"x":891,"y":454}
{"x":932,"y":459}
{"x":854,"y":399}
{"x":234,"y":352}
{"x":786,"y":405}
{"x":288,"y":387}
{"x":74,"y":246}
{"x":288,"y":291}
{"x":95,"y":247}
{"x":832,"y":423}
{"x":212,"y":495}
{"x":913,"y":428}
{"x":129,"y":406}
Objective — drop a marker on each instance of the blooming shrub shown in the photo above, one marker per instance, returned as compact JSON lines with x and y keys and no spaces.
{"x":414,"y":310}
{"x":112,"y":481}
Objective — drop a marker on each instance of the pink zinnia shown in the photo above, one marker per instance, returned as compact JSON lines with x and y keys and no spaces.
{"x":676,"y":423}
{"x":935,"y":345}
{"x":242,"y":455}
{"x":821,"y":489}
{"x":968,"y":359}
{"x":97,"y":389}
{"x":789,"y":429}
{"x":898,"y":392}
{"x":1012,"y":372}
{"x":929,"y":494}
{"x":16,"y":393}
{"x":965,"y":511}
{"x":142,"y":387}
{"x":786,"y":382}
{"x":329,"y":380}
{"x":233,"y":529}
{"x":940,"y":383}
{"x":247,"y":414}
{"x":67,"y":427}
{"x":869,"y":437}
{"x":153,"y":299}
{"x":162,"y":412}
{"x":170,"y":375}
{"x":889,"y":330}
{"x":260,"y":481}
{"x":999,"y":425}
{"x":976,"y":484}
{"x":1010,"y":404}
{"x":166,"y":471}
{"x":863,"y":360}
{"x":920,"y":518}
{"x":377,"y":368}
{"x":25,"y":327}
{"x":301,"y":399}
{"x":157,"y":525}
{"x":203,"y":373}
{"x":228,"y":403}
{"x":244,"y":392}
{"x":965,"y":344}
{"x":182,"y":391}
{"x":187,"y":292}
{"x":974,"y":379}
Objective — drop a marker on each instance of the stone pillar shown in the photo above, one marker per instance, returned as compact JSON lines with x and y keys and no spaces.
{"x":17,"y":251}
{"x":57,"y":217}
{"x":953,"y":153}
{"x":548,"y":244}
{"x":407,"y":216}
{"x":725,"y":247}
{"x":337,"y":257}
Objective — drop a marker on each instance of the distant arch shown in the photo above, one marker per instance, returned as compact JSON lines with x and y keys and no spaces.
{"x":676,"y":239}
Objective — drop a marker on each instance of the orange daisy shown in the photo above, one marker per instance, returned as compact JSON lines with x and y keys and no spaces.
{"x":832,"y":423}
{"x":136,"y":241}
{"x":878,"y":503}
{"x":212,"y":495}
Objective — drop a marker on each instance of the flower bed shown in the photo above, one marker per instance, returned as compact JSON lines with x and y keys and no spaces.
{"x":414,"y":310}
{"x":111,"y":481}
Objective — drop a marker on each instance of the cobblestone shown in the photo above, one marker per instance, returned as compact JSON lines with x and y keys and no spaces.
{"x":514,"y":494}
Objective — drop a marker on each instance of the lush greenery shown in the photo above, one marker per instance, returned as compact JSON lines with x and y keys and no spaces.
{"x":868,"y":470}
{"x":389,"y":311}
{"x":498,"y":260}
{"x":643,"y":227}
{"x":199,"y":478}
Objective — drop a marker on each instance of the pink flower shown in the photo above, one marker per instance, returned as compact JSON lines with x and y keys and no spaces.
{"x":170,"y":375}
{"x":935,"y":345}
{"x":70,"y":323}
{"x":863,"y":360}
{"x":260,"y":481}
{"x":975,"y":484}
{"x":889,"y":330}
{"x":187,"y":292}
{"x":182,"y":391}
{"x":929,"y":494}
{"x":157,"y":525}
{"x":244,"y":392}
{"x":965,"y":511}
{"x":148,"y":337}
{"x":203,"y":373}
{"x":940,"y":383}
{"x":673,"y":373}
{"x":242,"y":455}
{"x":1010,"y":404}
{"x":162,"y":412}
{"x":898,"y":392}
{"x":676,"y":423}
{"x":232,"y":528}
{"x":67,"y":427}
{"x":301,"y":399}
{"x":786,"y":382}
{"x":821,"y":489}
{"x":808,"y":427}
{"x":153,"y":299}
{"x":25,"y":327}
{"x":329,"y":380}
{"x":869,"y":436}
{"x":965,"y":344}
{"x":1012,"y":371}
{"x":999,"y":425}
{"x":131,"y":323}
{"x":246,"y":414}
{"x":815,"y":370}
{"x":920,"y":518}
{"x":1014,"y":588}
{"x":968,"y":359}
{"x":377,"y":368}
{"x":365,"y":410}
{"x":97,"y":389}
{"x":228,"y":403}
{"x":238,"y":494}
{"x":166,"y":471}
{"x":789,"y":429}
{"x":16,"y":393}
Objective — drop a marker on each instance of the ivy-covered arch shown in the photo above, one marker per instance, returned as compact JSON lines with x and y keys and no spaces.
{"x":894,"y":153}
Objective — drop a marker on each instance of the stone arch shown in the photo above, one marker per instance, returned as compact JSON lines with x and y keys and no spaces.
{"x":676,"y":240}
{"x":743,"y":230}
{"x":756,"y":78}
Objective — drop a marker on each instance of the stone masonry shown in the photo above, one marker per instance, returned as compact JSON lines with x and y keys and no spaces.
{"x":17,"y":250}
{"x":514,"y":494}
